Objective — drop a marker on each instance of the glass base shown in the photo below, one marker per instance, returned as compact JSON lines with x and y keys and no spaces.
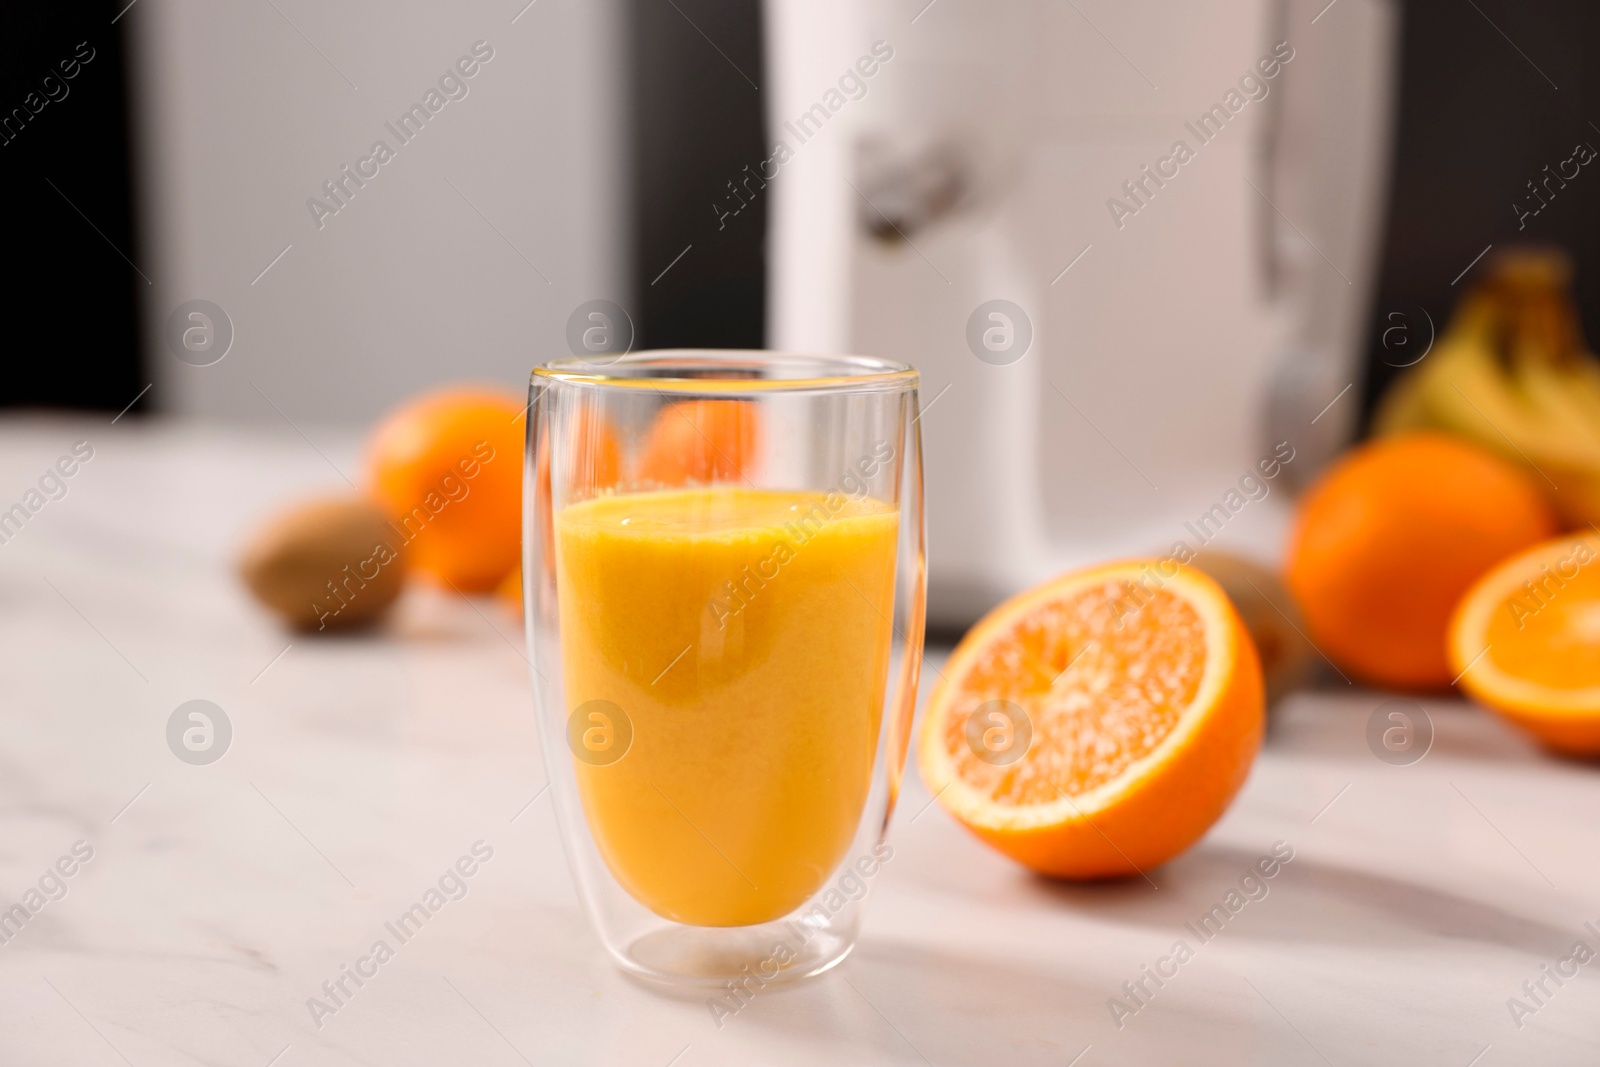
{"x":752,"y":957}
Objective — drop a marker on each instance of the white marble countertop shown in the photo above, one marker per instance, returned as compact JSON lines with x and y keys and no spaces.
{"x":219,"y":898}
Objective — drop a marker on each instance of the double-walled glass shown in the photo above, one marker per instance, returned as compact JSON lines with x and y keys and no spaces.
{"x":724,"y":585}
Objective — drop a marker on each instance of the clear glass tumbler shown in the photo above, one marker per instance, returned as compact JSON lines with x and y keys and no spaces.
{"x":724,"y":581}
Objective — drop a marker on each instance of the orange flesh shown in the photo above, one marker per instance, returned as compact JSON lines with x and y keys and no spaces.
{"x":1099,"y":697}
{"x":1551,"y":635}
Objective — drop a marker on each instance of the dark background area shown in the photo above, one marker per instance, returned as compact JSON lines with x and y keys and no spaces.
{"x":1477,"y":122}
{"x":697,"y":124}
{"x":72,"y":309}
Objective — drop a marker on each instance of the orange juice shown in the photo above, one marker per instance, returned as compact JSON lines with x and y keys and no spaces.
{"x":744,"y":635}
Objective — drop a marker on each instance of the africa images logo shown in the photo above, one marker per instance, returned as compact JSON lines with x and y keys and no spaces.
{"x":1253,"y":85}
{"x":1251,"y":888}
{"x":452,"y":885}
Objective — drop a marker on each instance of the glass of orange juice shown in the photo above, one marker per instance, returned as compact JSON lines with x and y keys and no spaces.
{"x":723,"y":560}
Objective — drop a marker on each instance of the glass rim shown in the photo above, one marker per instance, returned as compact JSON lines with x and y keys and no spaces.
{"x":839,"y":373}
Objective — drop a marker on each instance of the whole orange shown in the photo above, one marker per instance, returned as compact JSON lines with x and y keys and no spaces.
{"x":447,"y":468}
{"x":700,"y":441}
{"x":1389,"y":538}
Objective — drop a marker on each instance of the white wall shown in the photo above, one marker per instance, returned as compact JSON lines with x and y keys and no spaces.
{"x":244,"y":117}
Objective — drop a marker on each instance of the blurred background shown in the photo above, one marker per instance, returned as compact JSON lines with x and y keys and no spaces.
{"x":1177,"y":277}
{"x":1176,"y":329}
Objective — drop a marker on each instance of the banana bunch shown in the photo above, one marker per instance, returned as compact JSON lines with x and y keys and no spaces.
{"x":1510,"y":373}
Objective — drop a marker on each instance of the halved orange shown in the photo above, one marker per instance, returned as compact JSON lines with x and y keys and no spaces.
{"x":1525,"y":640}
{"x":1097,"y":725}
